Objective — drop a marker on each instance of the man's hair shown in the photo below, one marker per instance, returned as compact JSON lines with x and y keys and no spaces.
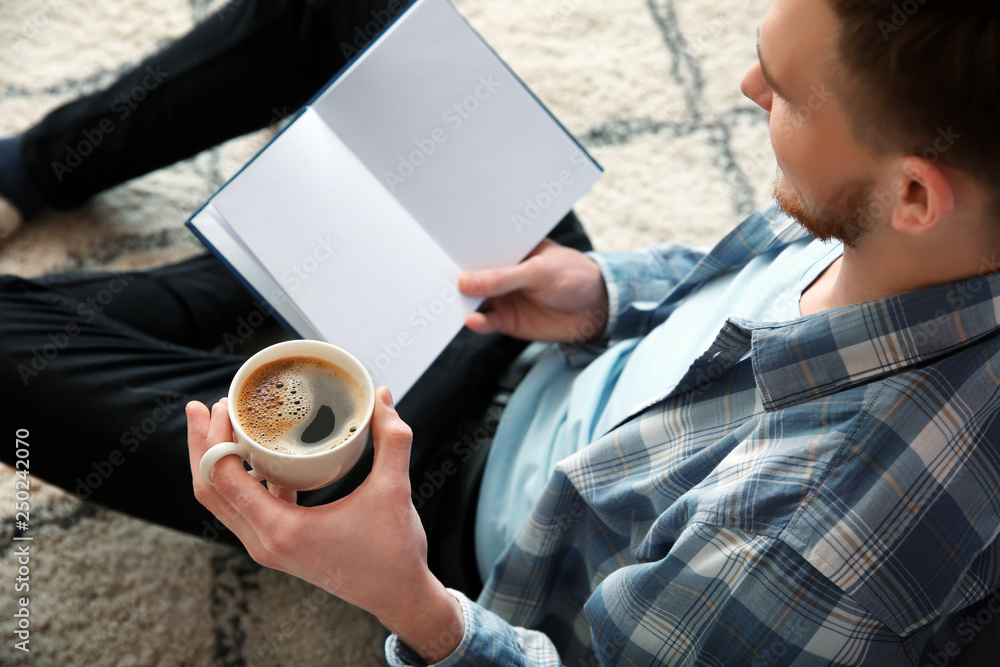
{"x":922,"y":77}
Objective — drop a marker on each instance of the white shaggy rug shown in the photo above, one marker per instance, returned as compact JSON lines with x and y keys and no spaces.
{"x":650,"y":87}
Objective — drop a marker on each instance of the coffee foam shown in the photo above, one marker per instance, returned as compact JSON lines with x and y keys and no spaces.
{"x":277,"y":402}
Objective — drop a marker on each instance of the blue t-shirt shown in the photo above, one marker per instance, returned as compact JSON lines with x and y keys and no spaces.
{"x":558,"y":409}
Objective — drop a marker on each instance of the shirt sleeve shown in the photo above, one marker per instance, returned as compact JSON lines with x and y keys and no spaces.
{"x":638,"y":281}
{"x":488,"y":640}
{"x":720,"y":596}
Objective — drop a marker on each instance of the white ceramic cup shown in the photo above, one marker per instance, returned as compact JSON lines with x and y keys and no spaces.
{"x":300,"y":472}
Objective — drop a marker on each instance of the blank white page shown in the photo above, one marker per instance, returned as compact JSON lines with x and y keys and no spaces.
{"x":212,"y":228}
{"x":474,"y":166}
{"x":366,"y":275}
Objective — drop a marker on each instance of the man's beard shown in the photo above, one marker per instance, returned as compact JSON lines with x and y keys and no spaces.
{"x":847,"y":216}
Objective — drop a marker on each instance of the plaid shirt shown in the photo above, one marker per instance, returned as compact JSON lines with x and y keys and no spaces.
{"x":822,"y":491}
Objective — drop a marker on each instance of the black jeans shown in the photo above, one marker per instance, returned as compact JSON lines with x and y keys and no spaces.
{"x":98,"y":367}
{"x":240,"y":70}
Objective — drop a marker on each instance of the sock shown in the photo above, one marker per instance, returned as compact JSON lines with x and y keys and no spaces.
{"x":15,"y":186}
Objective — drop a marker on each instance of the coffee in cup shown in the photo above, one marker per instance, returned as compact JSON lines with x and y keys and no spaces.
{"x":301,"y":415}
{"x":300,"y":405}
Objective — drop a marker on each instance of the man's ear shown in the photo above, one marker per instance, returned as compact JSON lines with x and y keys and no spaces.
{"x":926,"y":197}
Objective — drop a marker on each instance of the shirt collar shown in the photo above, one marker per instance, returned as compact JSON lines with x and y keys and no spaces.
{"x":762,"y":231}
{"x":839,"y":348}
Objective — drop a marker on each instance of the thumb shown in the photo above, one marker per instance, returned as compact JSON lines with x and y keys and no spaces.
{"x":392,"y":437}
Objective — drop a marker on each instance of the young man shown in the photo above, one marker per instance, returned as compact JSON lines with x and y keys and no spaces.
{"x":790,"y":453}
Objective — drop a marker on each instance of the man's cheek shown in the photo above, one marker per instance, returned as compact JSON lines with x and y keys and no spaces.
{"x":784,"y":126}
{"x":779,"y":134}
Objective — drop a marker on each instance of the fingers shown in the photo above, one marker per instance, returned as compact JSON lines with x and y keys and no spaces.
{"x":497,"y":282}
{"x":280,"y":492}
{"x":542,"y":246}
{"x":483,"y":323}
{"x":231,"y":479}
{"x":220,"y":430}
{"x":198,"y":418}
{"x":260,"y":521}
{"x":392,"y":437}
{"x":199,"y":426}
{"x":493,"y":282}
{"x":203,"y":427}
{"x":529,"y":273}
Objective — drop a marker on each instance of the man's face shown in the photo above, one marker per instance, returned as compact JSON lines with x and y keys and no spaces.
{"x":826,"y":180}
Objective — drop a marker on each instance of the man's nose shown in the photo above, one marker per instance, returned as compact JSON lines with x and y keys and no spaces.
{"x":754,"y":87}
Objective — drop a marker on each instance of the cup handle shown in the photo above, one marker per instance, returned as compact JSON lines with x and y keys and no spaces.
{"x":216,"y":452}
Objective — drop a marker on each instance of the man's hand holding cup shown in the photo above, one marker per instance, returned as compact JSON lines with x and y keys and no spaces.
{"x":368,"y":548}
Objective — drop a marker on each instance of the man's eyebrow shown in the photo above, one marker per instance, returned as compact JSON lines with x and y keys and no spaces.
{"x":763,"y":72}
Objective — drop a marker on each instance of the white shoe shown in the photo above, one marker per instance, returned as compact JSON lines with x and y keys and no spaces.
{"x":11,"y":219}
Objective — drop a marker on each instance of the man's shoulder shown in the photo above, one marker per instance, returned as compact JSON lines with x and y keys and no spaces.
{"x":906,"y":506}
{"x":907,"y":436}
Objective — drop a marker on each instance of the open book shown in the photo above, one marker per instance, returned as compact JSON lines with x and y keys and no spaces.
{"x":425,"y":157}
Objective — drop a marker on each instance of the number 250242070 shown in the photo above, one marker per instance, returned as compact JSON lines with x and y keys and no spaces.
{"x":22,"y":484}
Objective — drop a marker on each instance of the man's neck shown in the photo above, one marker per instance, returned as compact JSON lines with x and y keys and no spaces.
{"x":877,"y":271}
